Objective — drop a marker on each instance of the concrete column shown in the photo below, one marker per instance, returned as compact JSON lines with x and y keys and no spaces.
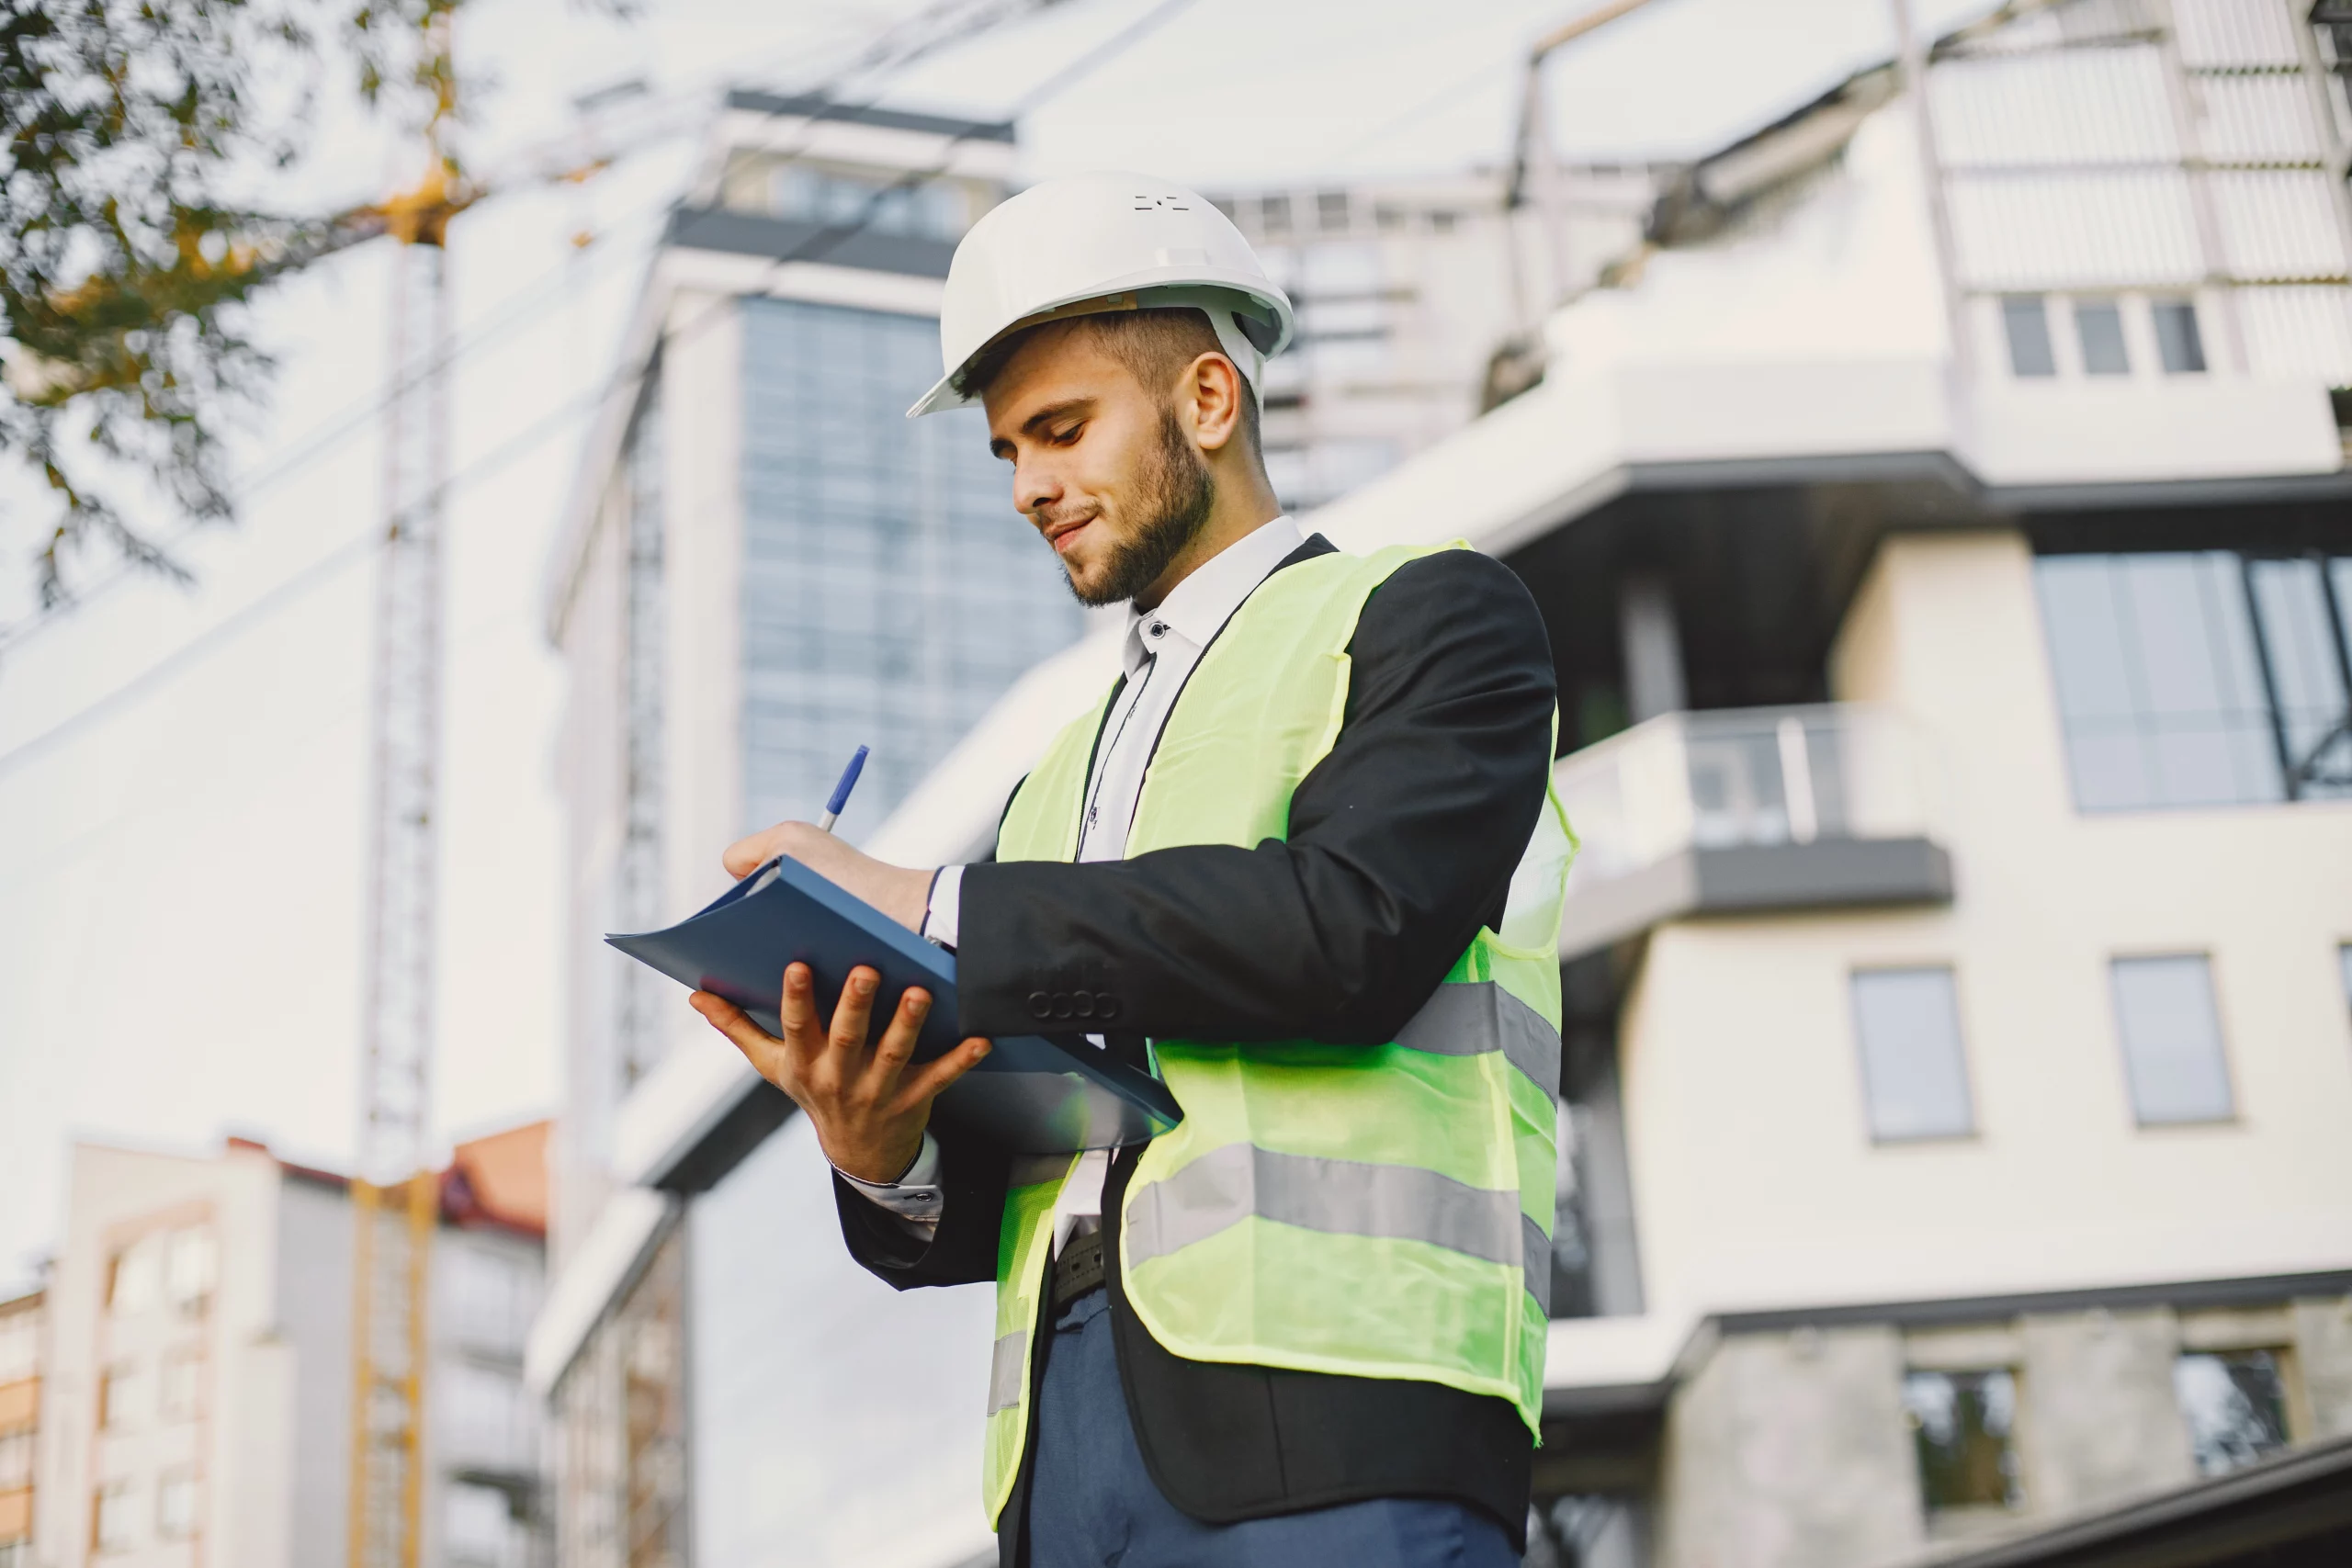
{"x":1789,"y":1450}
{"x":2101,"y":1419}
{"x":2323,"y":1350}
{"x":1652,"y":644}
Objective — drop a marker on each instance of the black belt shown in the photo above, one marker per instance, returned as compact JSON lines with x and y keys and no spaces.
{"x":1079,"y":1269}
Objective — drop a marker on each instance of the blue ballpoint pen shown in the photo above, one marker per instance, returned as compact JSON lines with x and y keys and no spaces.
{"x":841,"y":790}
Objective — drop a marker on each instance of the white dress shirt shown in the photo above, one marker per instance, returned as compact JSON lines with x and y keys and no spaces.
{"x":1162,"y":647}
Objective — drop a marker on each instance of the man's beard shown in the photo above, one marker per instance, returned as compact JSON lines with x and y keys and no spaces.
{"x":1174,"y":501}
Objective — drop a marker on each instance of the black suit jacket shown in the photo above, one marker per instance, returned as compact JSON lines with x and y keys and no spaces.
{"x":1402,"y":843}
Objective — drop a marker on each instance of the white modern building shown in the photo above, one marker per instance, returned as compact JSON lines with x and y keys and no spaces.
{"x":1944,"y":526}
{"x":196,"y":1371}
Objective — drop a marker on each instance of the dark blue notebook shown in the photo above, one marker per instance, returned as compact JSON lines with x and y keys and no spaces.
{"x":1031,"y":1095}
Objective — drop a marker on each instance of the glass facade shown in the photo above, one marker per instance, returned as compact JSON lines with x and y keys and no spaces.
{"x":2201,"y":678}
{"x":890,"y":592}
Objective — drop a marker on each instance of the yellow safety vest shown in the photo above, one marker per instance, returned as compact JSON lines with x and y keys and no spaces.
{"x":1380,"y":1212}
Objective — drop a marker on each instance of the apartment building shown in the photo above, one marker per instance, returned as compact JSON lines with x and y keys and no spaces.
{"x":23,"y":1329}
{"x":1948,"y":568}
{"x":766,"y":566}
{"x":196,"y":1377}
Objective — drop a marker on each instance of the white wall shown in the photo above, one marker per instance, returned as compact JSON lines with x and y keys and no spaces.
{"x":1755,"y":1178}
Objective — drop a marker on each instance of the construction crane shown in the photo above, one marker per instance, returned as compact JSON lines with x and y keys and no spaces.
{"x":395,"y":1197}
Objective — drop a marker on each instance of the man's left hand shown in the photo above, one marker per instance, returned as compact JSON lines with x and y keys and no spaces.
{"x":901,"y":893}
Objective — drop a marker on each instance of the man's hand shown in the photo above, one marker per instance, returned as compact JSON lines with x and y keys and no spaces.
{"x":897,"y":891}
{"x":869,"y":1111}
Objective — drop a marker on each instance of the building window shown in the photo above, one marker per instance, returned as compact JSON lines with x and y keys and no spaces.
{"x":118,"y":1398}
{"x":2235,"y":1405}
{"x":2344,"y":962}
{"x":19,"y":1345}
{"x":111,"y":1525}
{"x":484,"y":1419}
{"x":2205,"y":677}
{"x":1331,"y":209}
{"x":189,"y":1268}
{"x":15,"y":1461}
{"x":488,"y":1298}
{"x":1914,"y":1074}
{"x":2302,"y":613}
{"x":1963,"y":1430}
{"x":2098,"y":328}
{"x":2180,"y":345}
{"x":175,"y":1506}
{"x":132,"y":1283}
{"x":812,"y":196}
{"x":478,"y":1528}
{"x":2171,"y":1037}
{"x":2026,"y":322}
{"x":179,"y":1383}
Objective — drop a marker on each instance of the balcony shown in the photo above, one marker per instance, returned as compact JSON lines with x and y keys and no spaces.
{"x":1749,"y":811}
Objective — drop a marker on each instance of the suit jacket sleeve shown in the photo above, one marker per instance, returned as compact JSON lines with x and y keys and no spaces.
{"x":1402,"y":843}
{"x":962,"y":1251}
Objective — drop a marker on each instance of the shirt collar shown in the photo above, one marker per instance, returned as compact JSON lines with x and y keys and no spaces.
{"x":1197,"y":607}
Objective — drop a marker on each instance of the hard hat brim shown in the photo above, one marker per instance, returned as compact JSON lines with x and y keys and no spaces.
{"x":1152,"y":289}
{"x":941,"y":396}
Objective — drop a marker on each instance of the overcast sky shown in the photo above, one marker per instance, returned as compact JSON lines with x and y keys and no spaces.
{"x":181,"y":873}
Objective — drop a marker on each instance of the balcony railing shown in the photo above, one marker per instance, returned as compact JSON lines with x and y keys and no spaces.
{"x":1750,"y":809}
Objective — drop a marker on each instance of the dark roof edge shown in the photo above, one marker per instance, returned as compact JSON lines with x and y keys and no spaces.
{"x":792,"y":239}
{"x":2310,"y":1487}
{"x":813,"y":108}
{"x":2246,"y":1291}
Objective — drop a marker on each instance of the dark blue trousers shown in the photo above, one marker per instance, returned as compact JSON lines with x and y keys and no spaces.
{"x":1093,"y":1505}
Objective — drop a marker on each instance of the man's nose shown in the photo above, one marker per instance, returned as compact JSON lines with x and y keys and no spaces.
{"x":1034,"y":487}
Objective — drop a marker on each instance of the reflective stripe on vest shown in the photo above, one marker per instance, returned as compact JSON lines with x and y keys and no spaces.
{"x":1340,"y":1197}
{"x":1478,"y":1016}
{"x":1009,"y":1371}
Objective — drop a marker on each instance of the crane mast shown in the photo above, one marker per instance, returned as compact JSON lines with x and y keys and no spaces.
{"x":395,"y":1198}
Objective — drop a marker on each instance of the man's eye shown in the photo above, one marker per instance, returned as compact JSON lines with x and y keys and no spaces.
{"x":1067,"y":434}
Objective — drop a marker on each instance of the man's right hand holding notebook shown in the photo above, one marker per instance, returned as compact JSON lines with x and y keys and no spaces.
{"x":869,"y":1109}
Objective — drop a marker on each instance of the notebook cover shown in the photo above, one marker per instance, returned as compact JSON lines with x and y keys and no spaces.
{"x":1031,"y":1095}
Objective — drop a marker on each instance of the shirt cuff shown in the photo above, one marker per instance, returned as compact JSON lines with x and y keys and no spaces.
{"x":915,"y":1195}
{"x":943,"y":920}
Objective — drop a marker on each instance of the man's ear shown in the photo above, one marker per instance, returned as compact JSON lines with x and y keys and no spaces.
{"x":1216,"y":390}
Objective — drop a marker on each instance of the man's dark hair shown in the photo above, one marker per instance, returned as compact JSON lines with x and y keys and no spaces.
{"x":1153,"y":344}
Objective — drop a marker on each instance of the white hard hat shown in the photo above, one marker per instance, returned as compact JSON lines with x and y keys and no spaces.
{"x":1089,"y":244}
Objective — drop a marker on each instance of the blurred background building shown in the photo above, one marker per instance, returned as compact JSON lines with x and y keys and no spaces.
{"x":1938,"y":503}
{"x":191,"y":1385}
{"x":23,"y":1329}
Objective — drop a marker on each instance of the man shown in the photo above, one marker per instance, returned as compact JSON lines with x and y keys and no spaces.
{"x":1303,"y":861}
